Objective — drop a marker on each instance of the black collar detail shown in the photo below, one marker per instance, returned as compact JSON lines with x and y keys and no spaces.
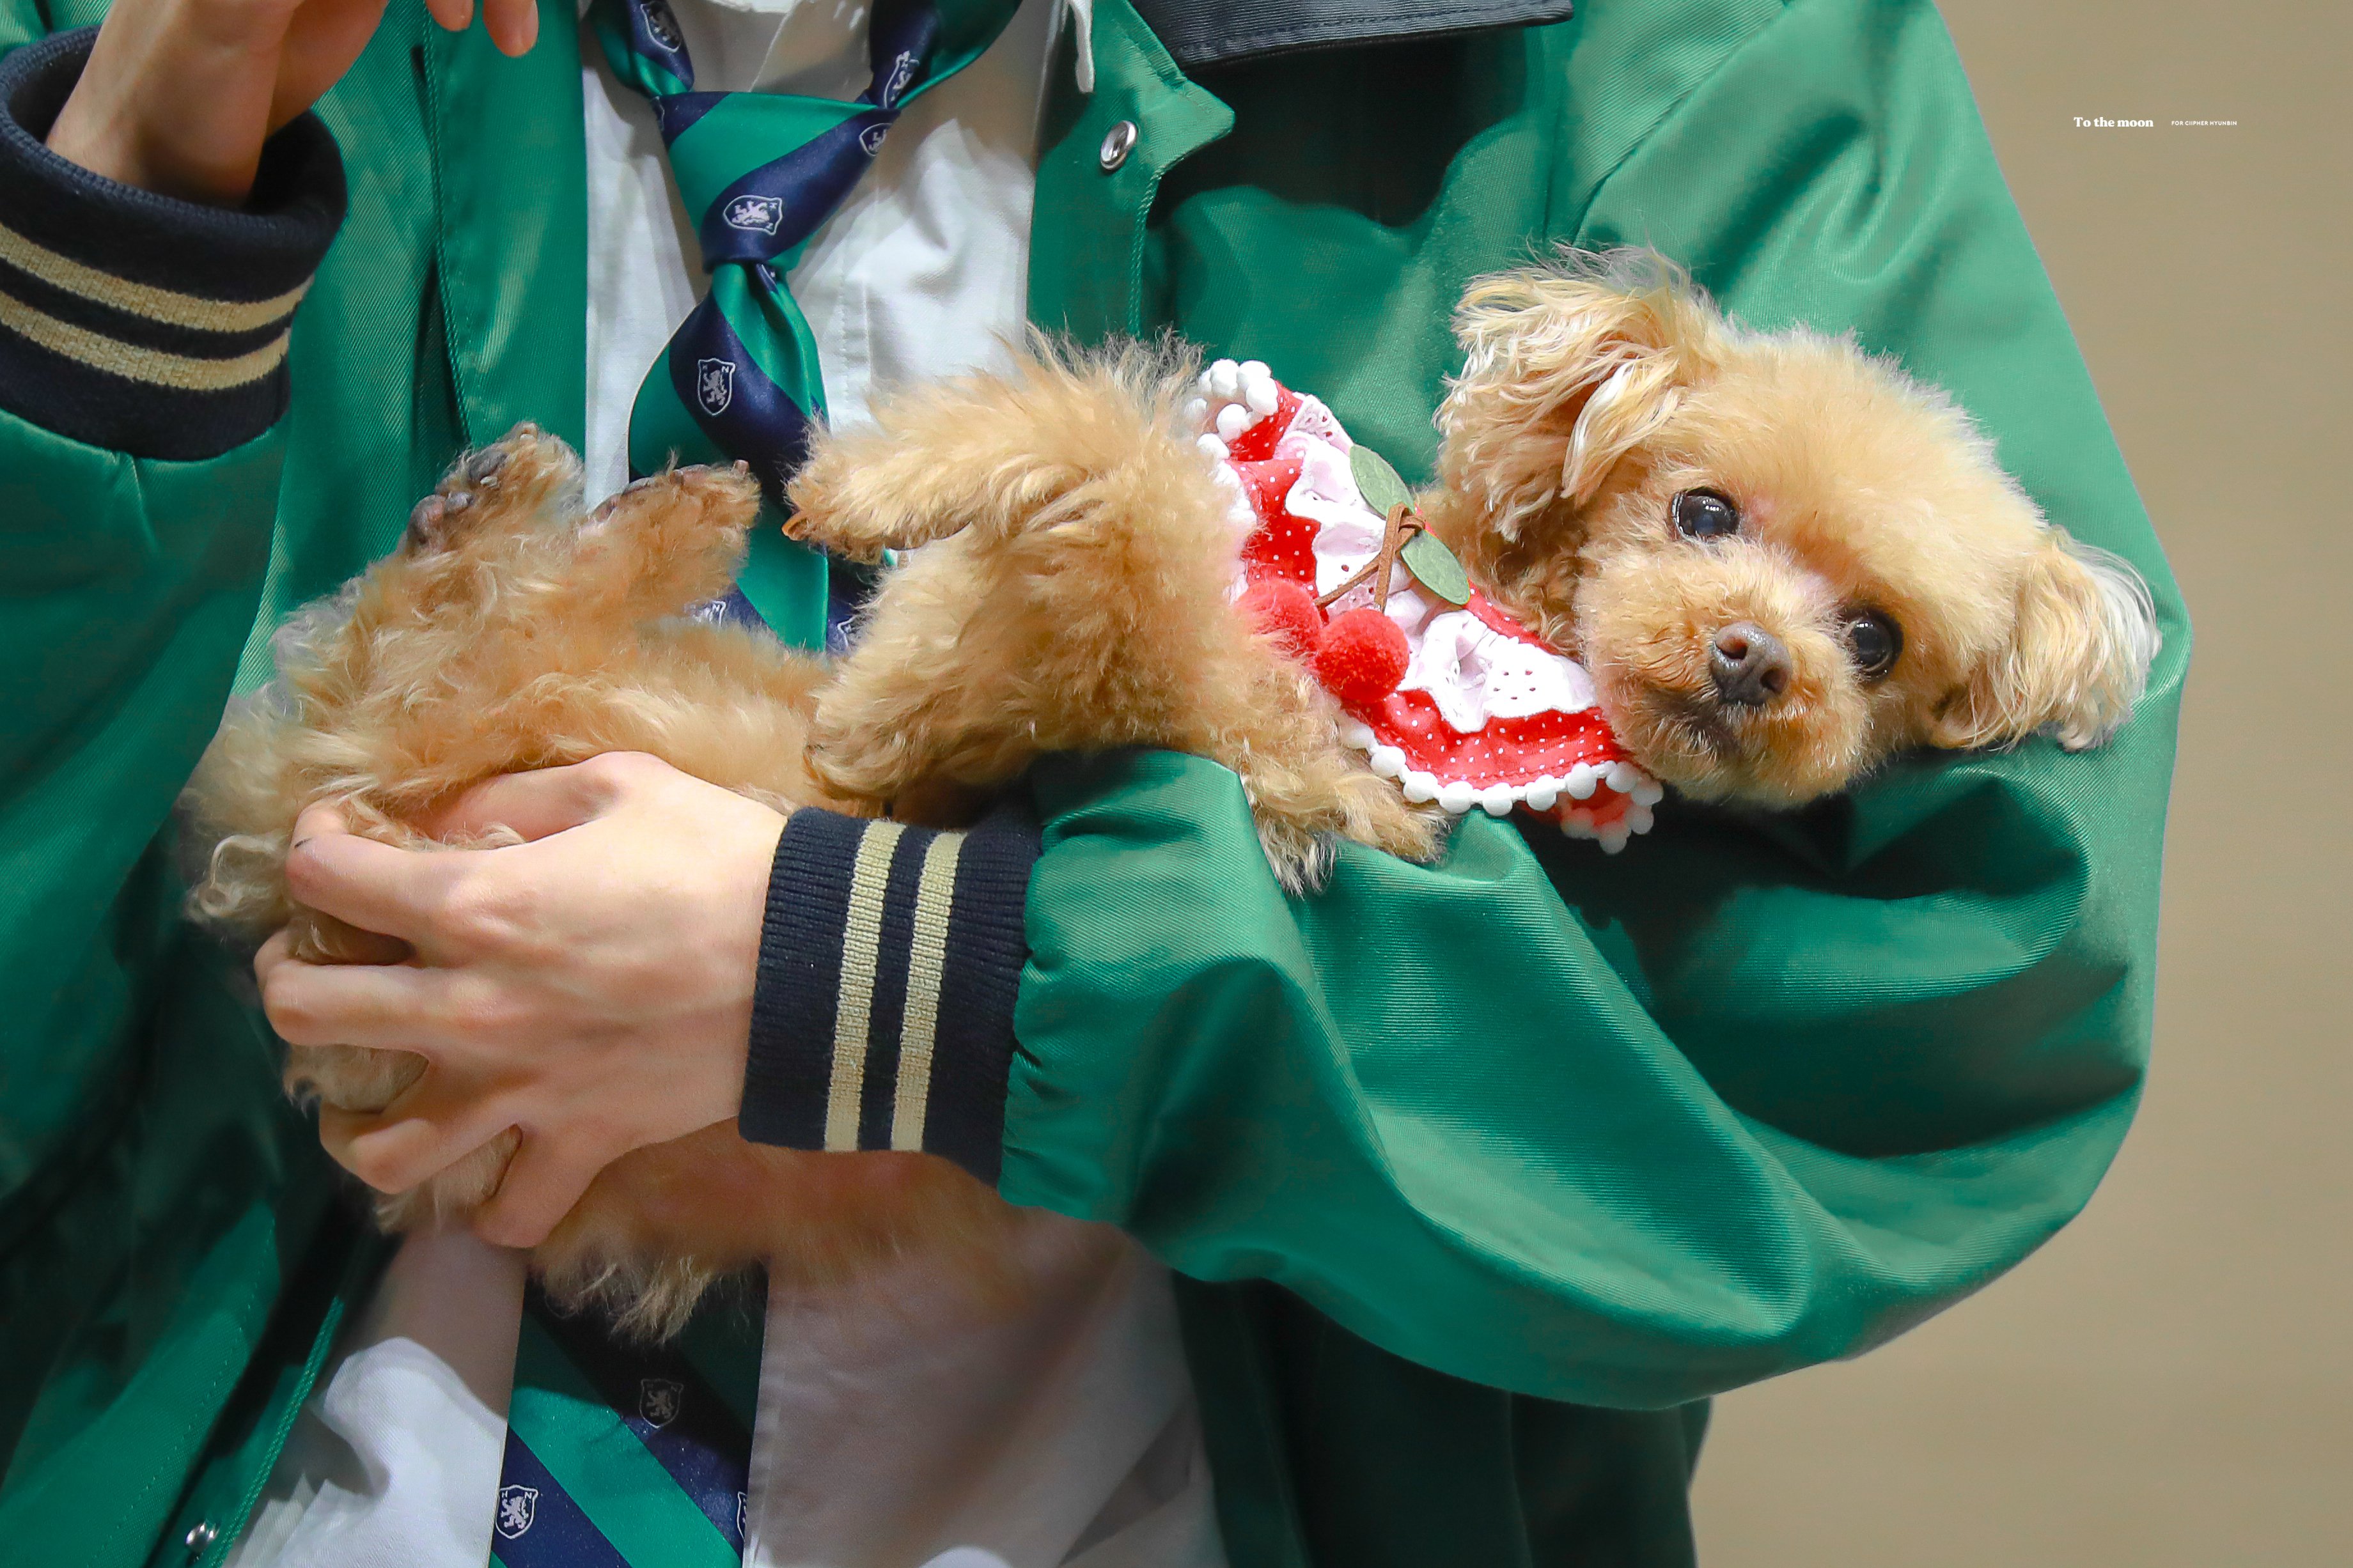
{"x":1218,"y":32}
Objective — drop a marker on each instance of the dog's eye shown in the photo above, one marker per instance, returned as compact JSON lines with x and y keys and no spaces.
{"x":1706,"y":514}
{"x":1873,"y":640}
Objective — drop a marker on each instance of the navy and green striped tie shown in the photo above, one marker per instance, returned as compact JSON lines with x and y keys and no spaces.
{"x":762,"y":171}
{"x":624,"y":1456}
{"x":620,"y":1456}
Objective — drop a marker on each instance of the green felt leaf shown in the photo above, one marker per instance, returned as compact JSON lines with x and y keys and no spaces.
{"x":1376,"y":481}
{"x":1434,"y":567}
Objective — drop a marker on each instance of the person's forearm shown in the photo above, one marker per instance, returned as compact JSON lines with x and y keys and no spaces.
{"x":1703,"y":1127}
{"x":142,"y":373}
{"x":661,"y":955}
{"x":136,"y":322}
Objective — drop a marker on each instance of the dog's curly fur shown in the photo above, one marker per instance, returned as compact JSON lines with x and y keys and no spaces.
{"x":508,"y":632}
{"x":1070,"y":559}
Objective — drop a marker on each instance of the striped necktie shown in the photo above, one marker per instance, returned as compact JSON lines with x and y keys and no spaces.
{"x":760,"y":172}
{"x":624,"y":1456}
{"x":618,"y":1456}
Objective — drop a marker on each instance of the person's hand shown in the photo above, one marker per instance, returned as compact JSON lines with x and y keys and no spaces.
{"x":179,"y":95}
{"x":591,"y":987}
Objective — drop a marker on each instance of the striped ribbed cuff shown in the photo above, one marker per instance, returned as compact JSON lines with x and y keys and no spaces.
{"x":135,"y":322}
{"x":888,"y":970}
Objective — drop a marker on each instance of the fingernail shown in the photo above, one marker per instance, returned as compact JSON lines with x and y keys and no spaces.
{"x":526,"y":32}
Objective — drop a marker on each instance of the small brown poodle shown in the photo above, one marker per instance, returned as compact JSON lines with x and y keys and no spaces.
{"x":508,"y":632}
{"x":1780,"y":560}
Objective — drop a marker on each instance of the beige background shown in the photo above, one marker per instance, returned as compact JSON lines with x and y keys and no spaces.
{"x":2170,"y":1383}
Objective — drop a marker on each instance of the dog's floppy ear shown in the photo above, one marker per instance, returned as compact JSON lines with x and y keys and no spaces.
{"x":1567,"y":367}
{"x":2076,"y":661}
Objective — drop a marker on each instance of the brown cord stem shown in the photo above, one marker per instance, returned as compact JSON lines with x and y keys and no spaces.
{"x":1401,"y":528}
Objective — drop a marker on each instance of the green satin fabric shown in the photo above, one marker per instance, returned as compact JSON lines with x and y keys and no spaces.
{"x":1483,"y":1170}
{"x":1562,"y":1127}
{"x":175,"y":1251}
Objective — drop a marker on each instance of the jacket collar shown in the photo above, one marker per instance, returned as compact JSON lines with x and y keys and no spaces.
{"x":1198,"y":33}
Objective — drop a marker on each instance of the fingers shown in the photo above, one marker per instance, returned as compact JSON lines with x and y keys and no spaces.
{"x":420,"y":1135}
{"x":279,"y":949}
{"x":383,"y":1006}
{"x":514,"y":25}
{"x":373,"y":886}
{"x":536,"y":805}
{"x":543,"y":1182}
{"x":316,"y":820}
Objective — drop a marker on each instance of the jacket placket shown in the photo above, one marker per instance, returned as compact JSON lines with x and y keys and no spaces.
{"x":1102,"y":154}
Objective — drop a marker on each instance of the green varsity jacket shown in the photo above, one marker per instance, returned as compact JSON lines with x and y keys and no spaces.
{"x":1479,"y":1177}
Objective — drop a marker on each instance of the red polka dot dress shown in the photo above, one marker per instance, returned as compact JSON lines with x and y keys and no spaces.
{"x":1486,"y":713}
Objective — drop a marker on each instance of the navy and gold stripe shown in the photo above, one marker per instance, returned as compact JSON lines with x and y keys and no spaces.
{"x":888,"y":970}
{"x":136,"y":322}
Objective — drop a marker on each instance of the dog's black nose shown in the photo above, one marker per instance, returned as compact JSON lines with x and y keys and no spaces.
{"x":1748,"y":664}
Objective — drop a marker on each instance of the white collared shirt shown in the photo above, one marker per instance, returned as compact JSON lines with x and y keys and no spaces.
{"x":922,"y":271}
{"x":1059,"y":1432}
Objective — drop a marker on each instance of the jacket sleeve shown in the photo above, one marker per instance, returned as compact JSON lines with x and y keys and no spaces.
{"x":142,"y":352}
{"x":1755,"y":1093}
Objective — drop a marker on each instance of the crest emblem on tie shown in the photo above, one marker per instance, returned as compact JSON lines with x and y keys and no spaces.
{"x":871,"y":137}
{"x":518,"y":1506}
{"x":715,"y":388}
{"x":754,"y":215}
{"x":658,"y":1398}
{"x":902,"y":72}
{"x":660,"y":26}
{"x":743,"y":1507}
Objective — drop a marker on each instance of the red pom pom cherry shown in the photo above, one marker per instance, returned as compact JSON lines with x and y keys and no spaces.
{"x":1286,"y":611}
{"x":1362,"y":657}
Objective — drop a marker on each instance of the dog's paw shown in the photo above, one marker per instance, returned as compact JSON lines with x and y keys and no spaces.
{"x":727,"y":492}
{"x":524,"y":467}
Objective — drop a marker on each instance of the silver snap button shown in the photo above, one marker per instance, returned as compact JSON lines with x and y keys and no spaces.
{"x":1118,"y":142}
{"x":202,"y":1537}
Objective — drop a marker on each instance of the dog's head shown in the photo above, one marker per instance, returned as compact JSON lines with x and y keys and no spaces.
{"x":1782,"y":560}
